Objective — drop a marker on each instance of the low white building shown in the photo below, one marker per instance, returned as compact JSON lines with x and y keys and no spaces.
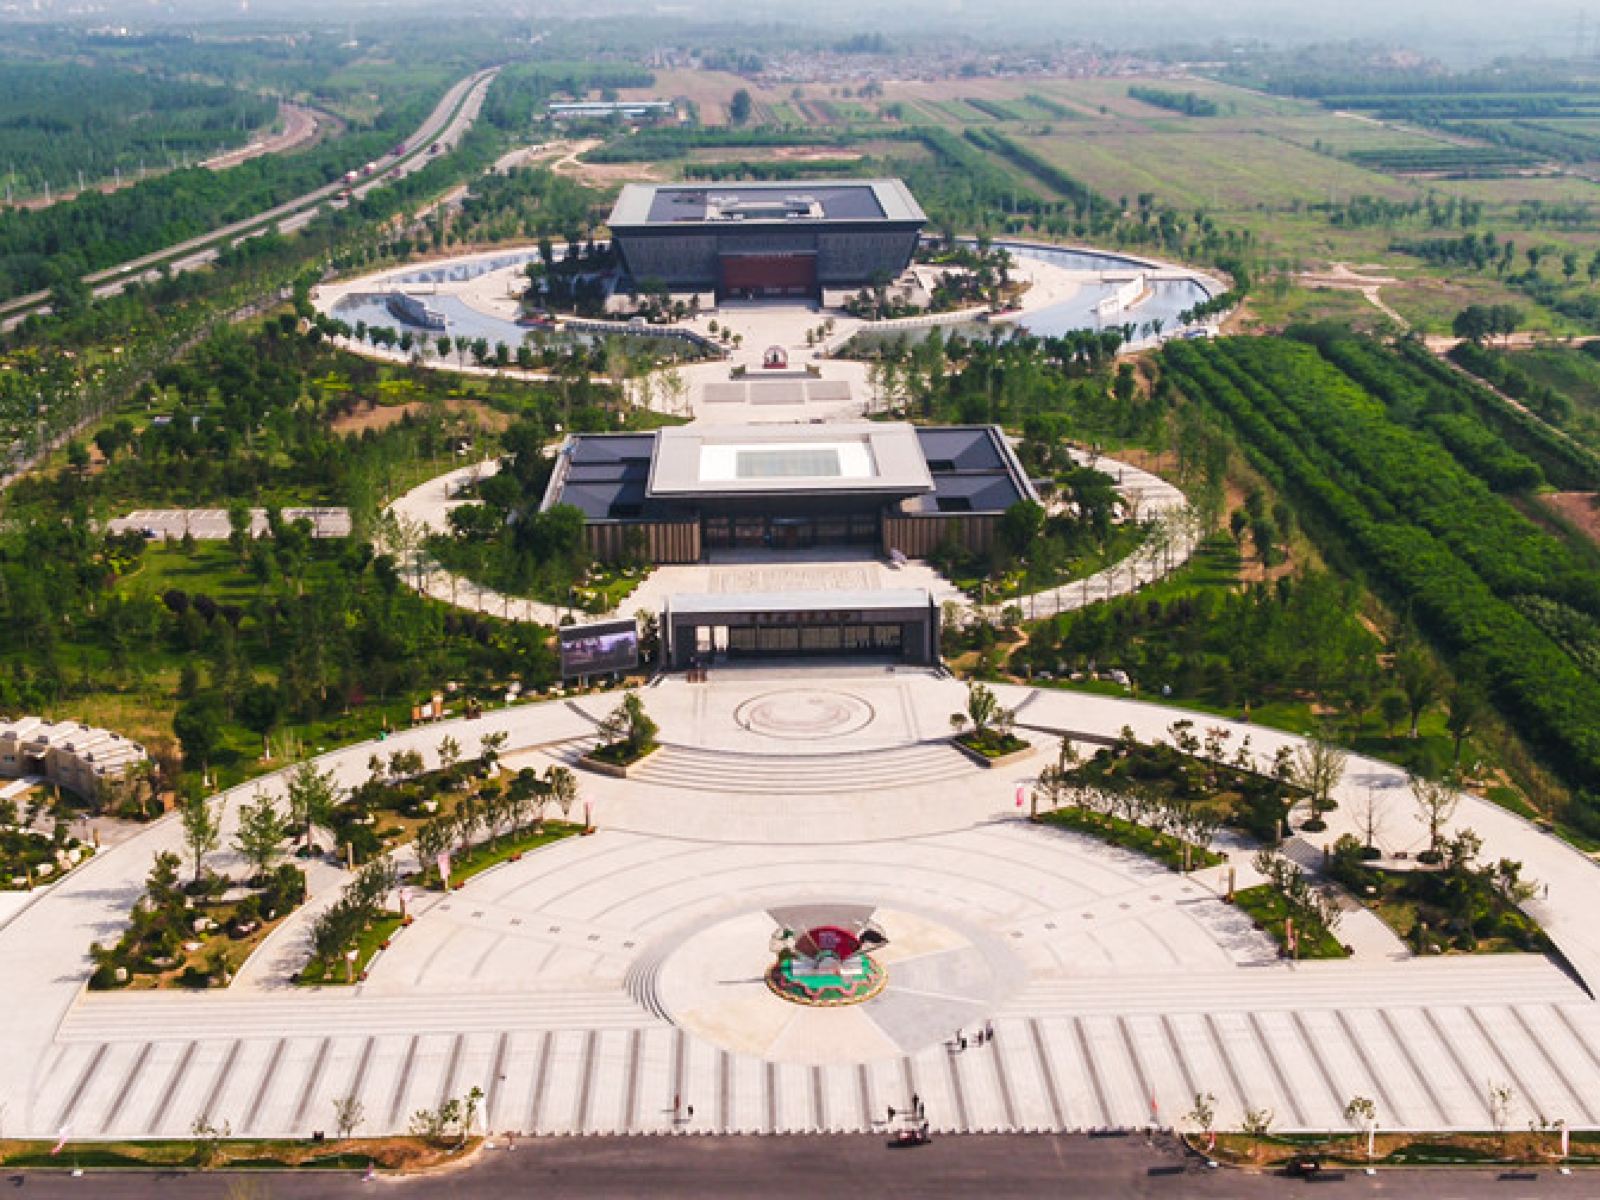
{"x":71,"y":754}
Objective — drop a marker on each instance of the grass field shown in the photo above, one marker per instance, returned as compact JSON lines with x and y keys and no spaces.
{"x":1222,"y":167}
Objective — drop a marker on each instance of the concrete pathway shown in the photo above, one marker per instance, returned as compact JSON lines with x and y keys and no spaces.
{"x":1174,"y":536}
{"x":213,"y":524}
{"x":425,"y":510}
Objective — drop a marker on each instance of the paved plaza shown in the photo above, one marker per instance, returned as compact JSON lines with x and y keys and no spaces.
{"x":587,"y":986}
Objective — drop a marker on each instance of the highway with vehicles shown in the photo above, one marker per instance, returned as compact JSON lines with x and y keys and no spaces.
{"x":451,"y":118}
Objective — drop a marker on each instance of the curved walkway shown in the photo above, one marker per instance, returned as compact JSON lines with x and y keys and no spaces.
{"x":426,"y":510}
{"x":1175,"y":534}
{"x":1568,"y":880}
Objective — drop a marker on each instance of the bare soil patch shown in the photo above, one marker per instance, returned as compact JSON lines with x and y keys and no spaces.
{"x":1577,"y":508}
{"x":382,"y":416}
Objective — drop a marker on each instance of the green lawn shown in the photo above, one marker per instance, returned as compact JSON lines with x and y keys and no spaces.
{"x":1265,"y":906}
{"x":488,"y":854}
{"x":373,"y":938}
{"x":1131,"y":836}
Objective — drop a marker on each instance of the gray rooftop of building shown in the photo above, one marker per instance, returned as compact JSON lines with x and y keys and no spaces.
{"x":973,"y":470}
{"x":730,"y":460}
{"x":642,"y":476}
{"x":779,"y":202}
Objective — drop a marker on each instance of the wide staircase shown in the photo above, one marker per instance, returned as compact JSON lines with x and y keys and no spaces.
{"x":704,"y":770}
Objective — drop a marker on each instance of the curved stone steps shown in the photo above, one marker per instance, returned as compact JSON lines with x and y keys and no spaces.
{"x":700,"y":769}
{"x":643,"y":978}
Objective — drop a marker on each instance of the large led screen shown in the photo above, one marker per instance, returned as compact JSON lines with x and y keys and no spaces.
{"x":603,"y":648}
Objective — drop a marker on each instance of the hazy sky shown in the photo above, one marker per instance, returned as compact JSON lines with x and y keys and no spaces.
{"x":1450,"y":28}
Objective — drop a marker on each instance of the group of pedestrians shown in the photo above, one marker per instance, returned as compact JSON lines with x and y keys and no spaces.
{"x":913,"y":1128}
{"x":961,"y":1041}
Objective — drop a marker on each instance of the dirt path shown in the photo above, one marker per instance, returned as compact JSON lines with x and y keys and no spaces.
{"x":603,"y":174}
{"x":1516,"y":404}
{"x":1341,"y":277}
{"x":382,"y":416}
{"x":1577,"y":508}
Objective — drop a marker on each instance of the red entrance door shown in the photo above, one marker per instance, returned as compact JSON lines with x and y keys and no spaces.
{"x":769,"y":274}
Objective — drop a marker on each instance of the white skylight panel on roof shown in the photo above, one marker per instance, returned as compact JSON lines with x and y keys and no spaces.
{"x":727,"y":462}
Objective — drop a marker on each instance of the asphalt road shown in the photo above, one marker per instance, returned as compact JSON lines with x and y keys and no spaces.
{"x":449,"y":119}
{"x":805,"y":1167}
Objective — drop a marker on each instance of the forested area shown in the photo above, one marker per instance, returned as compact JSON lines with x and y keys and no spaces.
{"x":948,"y":378}
{"x":230,"y":646}
{"x":47,"y":248}
{"x":61,"y":123}
{"x":502,"y":539}
{"x":1269,"y":642}
{"x":319,"y":641}
{"x":1513,"y":607}
{"x":526,"y":203}
{"x":40,"y":249}
{"x":50,"y":384}
{"x":1458,"y":160}
{"x":240,"y":638}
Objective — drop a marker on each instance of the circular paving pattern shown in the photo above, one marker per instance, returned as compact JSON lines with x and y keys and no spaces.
{"x":936,"y":976}
{"x":801,"y":714}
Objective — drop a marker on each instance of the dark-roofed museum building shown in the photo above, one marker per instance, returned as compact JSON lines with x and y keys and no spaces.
{"x":672,"y":495}
{"x":783,"y":238}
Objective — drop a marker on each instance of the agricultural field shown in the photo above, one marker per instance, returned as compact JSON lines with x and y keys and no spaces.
{"x":1309,"y":185}
{"x":711,"y":92}
{"x":1220,"y":166}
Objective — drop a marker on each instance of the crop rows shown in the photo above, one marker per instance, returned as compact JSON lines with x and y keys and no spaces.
{"x":1393,"y":502}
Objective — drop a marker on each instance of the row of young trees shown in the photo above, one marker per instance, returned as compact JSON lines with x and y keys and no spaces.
{"x":1397,"y":507}
{"x":495,"y":813}
{"x":337,"y":930}
{"x":1299,"y":635}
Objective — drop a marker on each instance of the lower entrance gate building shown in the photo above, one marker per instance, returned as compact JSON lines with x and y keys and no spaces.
{"x":897,"y":624}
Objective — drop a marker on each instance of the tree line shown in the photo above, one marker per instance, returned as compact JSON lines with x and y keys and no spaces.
{"x":1190,"y":104}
